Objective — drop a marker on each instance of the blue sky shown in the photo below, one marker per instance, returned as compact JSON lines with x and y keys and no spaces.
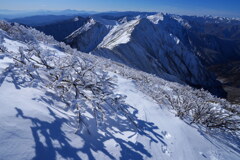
{"x":196,"y":7}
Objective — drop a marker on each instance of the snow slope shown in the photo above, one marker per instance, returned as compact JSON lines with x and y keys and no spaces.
{"x":36,"y":124}
{"x":166,"y":136}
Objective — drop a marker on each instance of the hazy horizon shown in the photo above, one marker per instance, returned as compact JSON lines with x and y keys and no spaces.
{"x":21,"y":13}
{"x":183,"y":7}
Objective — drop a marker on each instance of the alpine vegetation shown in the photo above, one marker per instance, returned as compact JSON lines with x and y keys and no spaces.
{"x":60,"y":103}
{"x":76,"y":81}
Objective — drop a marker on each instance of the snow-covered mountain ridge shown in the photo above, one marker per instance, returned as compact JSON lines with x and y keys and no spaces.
{"x":88,"y":36}
{"x":164,"y":43}
{"x":152,"y":49}
{"x":49,"y":92}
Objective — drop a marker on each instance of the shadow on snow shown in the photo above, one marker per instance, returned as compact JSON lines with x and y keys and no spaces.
{"x":52,"y":132}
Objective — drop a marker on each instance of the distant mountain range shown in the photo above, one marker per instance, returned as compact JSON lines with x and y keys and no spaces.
{"x":12,"y":14}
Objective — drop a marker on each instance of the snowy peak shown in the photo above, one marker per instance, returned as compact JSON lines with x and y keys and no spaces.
{"x":156,"y":18}
{"x":76,"y":19}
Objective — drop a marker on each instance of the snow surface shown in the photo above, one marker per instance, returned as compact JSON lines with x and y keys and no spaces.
{"x":34,"y":125}
{"x":166,"y":136}
{"x":12,"y":46}
{"x":52,"y":49}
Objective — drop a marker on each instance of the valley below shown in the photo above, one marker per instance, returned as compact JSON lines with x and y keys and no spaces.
{"x":229,"y":76}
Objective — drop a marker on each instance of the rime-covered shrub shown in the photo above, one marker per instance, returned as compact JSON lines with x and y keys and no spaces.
{"x":77,"y":82}
{"x":74,"y":79}
{"x":5,"y":26}
{"x":193,"y":105}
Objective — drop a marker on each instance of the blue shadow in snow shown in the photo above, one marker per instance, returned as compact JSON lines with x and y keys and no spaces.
{"x":52,"y":131}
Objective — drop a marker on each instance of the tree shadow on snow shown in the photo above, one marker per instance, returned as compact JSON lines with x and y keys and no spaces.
{"x":51,"y":131}
{"x":13,"y":77}
{"x":50,"y":139}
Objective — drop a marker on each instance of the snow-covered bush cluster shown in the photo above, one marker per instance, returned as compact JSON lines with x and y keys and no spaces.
{"x":77,"y":82}
{"x":192,"y":105}
{"x":205,"y":109}
{"x":27,"y":35}
{"x":82,"y":82}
